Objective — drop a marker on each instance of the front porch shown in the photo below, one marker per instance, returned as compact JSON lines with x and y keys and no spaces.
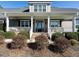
{"x":32,"y":23}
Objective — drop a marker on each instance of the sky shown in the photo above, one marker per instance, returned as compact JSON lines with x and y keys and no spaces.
{"x":66,"y":4}
{"x":20,"y":4}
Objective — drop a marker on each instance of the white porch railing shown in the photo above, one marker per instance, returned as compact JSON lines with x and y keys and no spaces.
{"x":56,"y":29}
{"x":68,"y":30}
{"x":17,"y":29}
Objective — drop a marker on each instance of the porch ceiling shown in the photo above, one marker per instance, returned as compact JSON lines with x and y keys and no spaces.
{"x":19,"y":17}
{"x":43,"y":15}
{"x":63,"y":16}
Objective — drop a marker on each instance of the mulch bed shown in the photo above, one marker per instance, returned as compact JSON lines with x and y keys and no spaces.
{"x":28,"y":52}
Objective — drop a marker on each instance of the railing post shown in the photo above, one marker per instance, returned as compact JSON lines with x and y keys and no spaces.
{"x":31,"y":29}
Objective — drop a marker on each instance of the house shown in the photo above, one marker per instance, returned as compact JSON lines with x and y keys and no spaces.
{"x":40,"y":17}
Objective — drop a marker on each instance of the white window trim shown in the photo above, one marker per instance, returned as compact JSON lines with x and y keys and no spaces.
{"x":24,"y":23}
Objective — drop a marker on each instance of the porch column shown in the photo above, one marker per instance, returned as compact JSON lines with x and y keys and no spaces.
{"x":31,"y":30}
{"x":7,"y":22}
{"x":49,"y":33}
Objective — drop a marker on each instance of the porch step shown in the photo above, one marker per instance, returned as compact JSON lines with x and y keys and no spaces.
{"x":37,"y":34}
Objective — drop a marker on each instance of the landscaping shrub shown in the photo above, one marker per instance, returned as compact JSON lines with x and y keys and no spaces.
{"x":78,"y":35}
{"x":61,"y":44}
{"x":71,"y":35}
{"x":53,"y":48}
{"x":11,"y":45}
{"x":33,"y":46}
{"x":55,"y":35}
{"x":19,"y":41}
{"x":25,"y":33}
{"x":1,"y":33}
{"x":1,"y":39}
{"x":1,"y":26}
{"x":68,"y":35}
{"x":74,"y":42}
{"x":9,"y":34}
{"x":42,"y":41}
{"x":74,"y":35}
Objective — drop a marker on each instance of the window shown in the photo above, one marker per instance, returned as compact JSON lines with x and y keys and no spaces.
{"x":24,"y":23}
{"x":31,"y":4}
{"x":77,"y":21}
{"x":35,"y":8}
{"x":13,"y":23}
{"x":44,"y":8}
{"x":40,"y":8}
{"x":55,"y":23}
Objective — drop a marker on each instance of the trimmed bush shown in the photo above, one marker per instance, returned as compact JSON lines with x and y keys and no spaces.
{"x":71,"y":35}
{"x":42,"y":41}
{"x":74,"y":42}
{"x":25,"y":33}
{"x":56,"y":35}
{"x":61,"y":44}
{"x":9,"y":34}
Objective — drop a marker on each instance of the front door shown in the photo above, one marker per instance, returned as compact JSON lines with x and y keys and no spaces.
{"x":39,"y":26}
